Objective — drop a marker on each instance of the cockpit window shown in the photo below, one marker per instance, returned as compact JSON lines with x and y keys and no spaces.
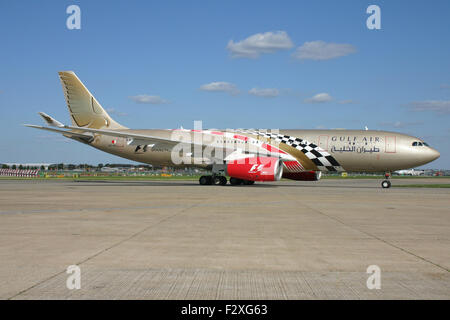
{"x":426,"y":144}
{"x":419,"y":144}
{"x":414,"y":144}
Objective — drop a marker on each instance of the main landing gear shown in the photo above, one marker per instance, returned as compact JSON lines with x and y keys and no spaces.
{"x":210,"y":180}
{"x":237,"y":182}
{"x":386,"y":183}
{"x":221,"y":180}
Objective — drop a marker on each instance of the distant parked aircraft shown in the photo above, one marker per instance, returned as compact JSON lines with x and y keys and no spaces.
{"x":411,"y":172}
{"x":109,"y":169}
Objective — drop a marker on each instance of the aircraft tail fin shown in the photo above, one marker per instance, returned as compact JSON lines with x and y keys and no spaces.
{"x":85,"y":111}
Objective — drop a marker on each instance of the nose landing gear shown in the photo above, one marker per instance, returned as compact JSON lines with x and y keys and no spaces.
{"x":386,"y":183}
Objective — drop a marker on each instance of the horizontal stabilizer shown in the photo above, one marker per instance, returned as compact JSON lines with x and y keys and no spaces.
{"x":144,"y":139}
{"x":50,"y":121}
{"x":64,"y":132}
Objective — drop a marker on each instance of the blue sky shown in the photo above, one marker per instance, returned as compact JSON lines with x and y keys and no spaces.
{"x":315,"y":65}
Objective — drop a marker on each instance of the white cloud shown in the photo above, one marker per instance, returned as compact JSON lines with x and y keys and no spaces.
{"x":146,"y":99}
{"x":319,"y":98}
{"x":438,"y":106}
{"x":400,"y":124}
{"x":321,"y":50}
{"x":260,"y":43}
{"x":266,"y":93}
{"x":220,"y":87}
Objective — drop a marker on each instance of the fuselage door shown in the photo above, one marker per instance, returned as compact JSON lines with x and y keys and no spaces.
{"x":390,"y":144}
{"x":323,"y":142}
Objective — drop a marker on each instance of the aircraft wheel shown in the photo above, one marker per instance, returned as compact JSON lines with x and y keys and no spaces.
{"x":385,"y":184}
{"x":219,"y":180}
{"x":235,"y":181}
{"x":223,"y":180}
{"x":205,"y":180}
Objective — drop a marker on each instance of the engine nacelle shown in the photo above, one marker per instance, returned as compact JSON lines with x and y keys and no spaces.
{"x":256,"y":169}
{"x":303,"y":176}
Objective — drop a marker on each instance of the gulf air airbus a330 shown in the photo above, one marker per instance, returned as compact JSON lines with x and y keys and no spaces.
{"x":243,"y":155}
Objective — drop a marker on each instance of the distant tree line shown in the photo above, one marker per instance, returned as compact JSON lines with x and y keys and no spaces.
{"x":20,"y":167}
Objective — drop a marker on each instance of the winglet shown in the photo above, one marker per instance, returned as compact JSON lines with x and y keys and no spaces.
{"x":50,"y":121}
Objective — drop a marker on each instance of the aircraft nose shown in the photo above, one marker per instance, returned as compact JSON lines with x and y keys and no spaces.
{"x":433,"y":154}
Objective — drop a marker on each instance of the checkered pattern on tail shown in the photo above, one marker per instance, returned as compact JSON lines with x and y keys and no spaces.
{"x":322,"y":159}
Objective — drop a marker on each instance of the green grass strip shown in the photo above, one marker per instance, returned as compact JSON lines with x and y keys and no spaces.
{"x":429,"y":185}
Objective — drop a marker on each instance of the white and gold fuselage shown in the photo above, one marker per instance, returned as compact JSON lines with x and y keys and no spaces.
{"x":352,"y":150}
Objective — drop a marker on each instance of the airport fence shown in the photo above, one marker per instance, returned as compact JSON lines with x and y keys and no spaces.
{"x":19,"y":173}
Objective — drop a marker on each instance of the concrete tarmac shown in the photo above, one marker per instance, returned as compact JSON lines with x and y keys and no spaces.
{"x":180,"y":240}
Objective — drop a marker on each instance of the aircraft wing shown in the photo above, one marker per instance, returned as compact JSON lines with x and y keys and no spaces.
{"x":82,"y":132}
{"x":132,"y":138}
{"x":87,"y":133}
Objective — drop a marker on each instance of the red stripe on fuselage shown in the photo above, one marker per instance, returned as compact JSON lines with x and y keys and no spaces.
{"x":237,"y":136}
{"x":270,"y":148}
